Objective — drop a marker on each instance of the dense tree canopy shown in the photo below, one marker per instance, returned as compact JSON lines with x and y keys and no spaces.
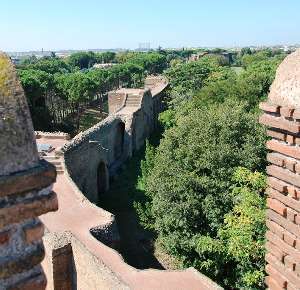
{"x":201,"y":189}
{"x":59,"y":88}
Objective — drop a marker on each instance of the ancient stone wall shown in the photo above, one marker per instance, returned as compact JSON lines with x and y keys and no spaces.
{"x":98,"y":275}
{"x":282,"y":117}
{"x":116,"y":100}
{"x":86,"y":151}
{"x":105,"y":145}
{"x":77,"y":255}
{"x":25,"y":189}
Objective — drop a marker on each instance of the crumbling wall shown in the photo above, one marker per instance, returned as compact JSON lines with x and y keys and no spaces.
{"x":116,"y":101}
{"x":282,"y":116}
{"x":85,"y":152}
{"x":25,"y":189}
{"x":98,"y":275}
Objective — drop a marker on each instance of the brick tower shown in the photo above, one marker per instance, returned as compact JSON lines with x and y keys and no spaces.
{"x":25,"y":189}
{"x":282,"y":117}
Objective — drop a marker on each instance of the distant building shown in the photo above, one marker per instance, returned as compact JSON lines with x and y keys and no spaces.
{"x":228,"y":56}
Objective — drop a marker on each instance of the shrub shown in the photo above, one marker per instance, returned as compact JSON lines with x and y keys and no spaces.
{"x":188,"y":185}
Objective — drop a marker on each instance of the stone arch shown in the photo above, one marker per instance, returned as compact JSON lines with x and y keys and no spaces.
{"x":102,"y":178}
{"x":119,"y":140}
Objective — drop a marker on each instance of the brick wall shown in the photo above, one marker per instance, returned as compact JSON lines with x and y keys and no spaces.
{"x":283,"y":213}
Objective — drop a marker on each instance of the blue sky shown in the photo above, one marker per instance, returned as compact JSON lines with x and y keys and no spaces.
{"x":74,"y":24}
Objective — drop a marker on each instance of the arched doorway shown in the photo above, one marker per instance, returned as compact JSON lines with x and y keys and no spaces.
{"x":102,"y":178}
{"x":119,"y":140}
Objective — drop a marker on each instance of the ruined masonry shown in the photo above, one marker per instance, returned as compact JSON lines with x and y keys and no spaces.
{"x":25,"y":189}
{"x":282,"y":117}
{"x":80,"y":238}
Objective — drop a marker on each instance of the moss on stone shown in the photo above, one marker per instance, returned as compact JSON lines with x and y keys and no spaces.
{"x":6,"y":69}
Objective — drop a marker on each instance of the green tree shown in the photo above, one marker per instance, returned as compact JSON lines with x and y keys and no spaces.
{"x":51,"y":66}
{"x":237,"y":253}
{"x":82,"y":60}
{"x":192,"y":76}
{"x":77,"y":88}
{"x":106,"y":57}
{"x":37,"y":85}
{"x":194,"y":164}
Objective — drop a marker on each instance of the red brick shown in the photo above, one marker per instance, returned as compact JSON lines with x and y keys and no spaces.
{"x":274,"y":250}
{"x":277,"y":184}
{"x":290,"y":263}
{"x":35,"y":233}
{"x":292,"y":192}
{"x":275,"y":228}
{"x":274,"y":274}
{"x":277,"y":206}
{"x":268,"y":107}
{"x":286,"y":200}
{"x":276,"y":159}
{"x":289,"y":238}
{"x":37,"y":177}
{"x":289,"y":164}
{"x":279,"y":123}
{"x":285,"y":223}
{"x":287,"y":249}
{"x":290,"y":139}
{"x":291,"y":215}
{"x":22,"y":211}
{"x":277,"y":135}
{"x":292,"y":151}
{"x":282,"y":161}
{"x":4,"y":237}
{"x":286,"y":112}
{"x":271,"y":283}
{"x":20,"y":263}
{"x":283,"y":174}
{"x":290,"y":276}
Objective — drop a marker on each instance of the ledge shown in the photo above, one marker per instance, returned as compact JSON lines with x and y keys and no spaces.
{"x":35,"y":178}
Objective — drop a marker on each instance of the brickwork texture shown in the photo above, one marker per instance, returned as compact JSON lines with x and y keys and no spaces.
{"x":281,"y":115}
{"x":25,"y":189}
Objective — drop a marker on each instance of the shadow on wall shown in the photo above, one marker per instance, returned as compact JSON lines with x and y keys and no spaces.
{"x":102,"y":178}
{"x":119,"y":140}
